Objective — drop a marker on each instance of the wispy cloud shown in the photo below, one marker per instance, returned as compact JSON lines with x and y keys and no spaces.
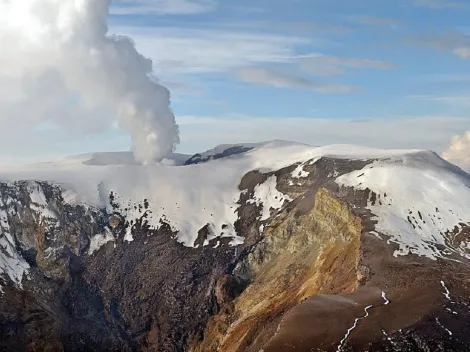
{"x":445,"y":78}
{"x":455,"y":42}
{"x":453,"y":100}
{"x":329,"y":65}
{"x":247,"y":9}
{"x":162,"y":7}
{"x":281,"y":79}
{"x":378,"y":21}
{"x":313,"y":27}
{"x":440,"y":4}
{"x":185,"y":52}
{"x":176,"y":50}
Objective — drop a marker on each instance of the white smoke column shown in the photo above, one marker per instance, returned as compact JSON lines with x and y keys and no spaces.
{"x":458,"y":151}
{"x":59,"y":66}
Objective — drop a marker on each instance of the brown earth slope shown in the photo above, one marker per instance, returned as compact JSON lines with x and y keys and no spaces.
{"x":313,"y":277}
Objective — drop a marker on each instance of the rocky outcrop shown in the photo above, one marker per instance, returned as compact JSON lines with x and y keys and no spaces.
{"x":225,"y":152}
{"x":300,"y":256}
{"x":313,"y":274}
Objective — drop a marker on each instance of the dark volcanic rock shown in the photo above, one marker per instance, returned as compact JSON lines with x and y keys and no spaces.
{"x":229,"y":151}
{"x":298,"y":283}
{"x":150,"y":293}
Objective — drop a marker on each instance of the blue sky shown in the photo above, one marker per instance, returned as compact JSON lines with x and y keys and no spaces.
{"x":330,"y":59}
{"x":363,"y":60}
{"x":393,"y":74}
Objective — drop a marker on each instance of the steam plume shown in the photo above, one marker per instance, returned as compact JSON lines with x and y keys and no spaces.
{"x":458,"y":151}
{"x":59,"y":65}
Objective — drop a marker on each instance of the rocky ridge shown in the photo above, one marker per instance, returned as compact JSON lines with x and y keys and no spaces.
{"x":309,"y":267}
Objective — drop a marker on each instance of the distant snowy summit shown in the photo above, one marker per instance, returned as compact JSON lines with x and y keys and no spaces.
{"x":173,"y":159}
{"x":218,"y":250}
{"x":418,"y":197}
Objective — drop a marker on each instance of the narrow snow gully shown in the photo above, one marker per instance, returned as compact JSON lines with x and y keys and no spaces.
{"x":446,"y":292}
{"x":442,"y":326}
{"x":341,"y":344}
{"x":357,"y":320}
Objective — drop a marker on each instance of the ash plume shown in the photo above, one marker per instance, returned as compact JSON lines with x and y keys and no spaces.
{"x":59,"y":66}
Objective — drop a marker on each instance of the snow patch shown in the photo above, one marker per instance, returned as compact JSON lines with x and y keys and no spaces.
{"x":267,"y":195}
{"x":12,"y":264}
{"x":36,"y":195}
{"x":38,"y":202}
{"x":100,"y":240}
{"x":451,"y":311}
{"x":333,"y":174}
{"x":299,"y":172}
{"x":446,"y":292}
{"x":389,"y":338}
{"x":387,"y":302}
{"x":236,"y":241}
{"x":376,"y":234}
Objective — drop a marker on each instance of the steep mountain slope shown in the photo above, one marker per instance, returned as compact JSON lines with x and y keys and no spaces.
{"x":275,"y":246}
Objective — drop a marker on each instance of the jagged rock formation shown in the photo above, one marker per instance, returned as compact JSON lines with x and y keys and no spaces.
{"x":314,"y":272}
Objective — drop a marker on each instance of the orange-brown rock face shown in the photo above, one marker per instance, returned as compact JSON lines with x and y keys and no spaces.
{"x":301,"y":256}
{"x":314,"y":275}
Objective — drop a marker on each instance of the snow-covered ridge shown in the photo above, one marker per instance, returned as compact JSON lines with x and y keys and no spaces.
{"x":421,"y":199}
{"x":192,"y":196}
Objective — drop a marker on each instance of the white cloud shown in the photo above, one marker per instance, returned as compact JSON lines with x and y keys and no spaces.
{"x":458,"y":151}
{"x":162,"y":7}
{"x":280,"y":79}
{"x":425,"y":132}
{"x":177,"y":50}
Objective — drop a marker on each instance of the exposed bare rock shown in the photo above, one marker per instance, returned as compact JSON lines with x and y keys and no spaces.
{"x":309,"y":270}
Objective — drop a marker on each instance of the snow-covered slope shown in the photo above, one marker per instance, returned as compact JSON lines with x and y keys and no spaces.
{"x":421,"y":198}
{"x":422,"y":202}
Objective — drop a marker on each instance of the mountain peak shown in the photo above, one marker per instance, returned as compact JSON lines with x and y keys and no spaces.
{"x":252,"y":229}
